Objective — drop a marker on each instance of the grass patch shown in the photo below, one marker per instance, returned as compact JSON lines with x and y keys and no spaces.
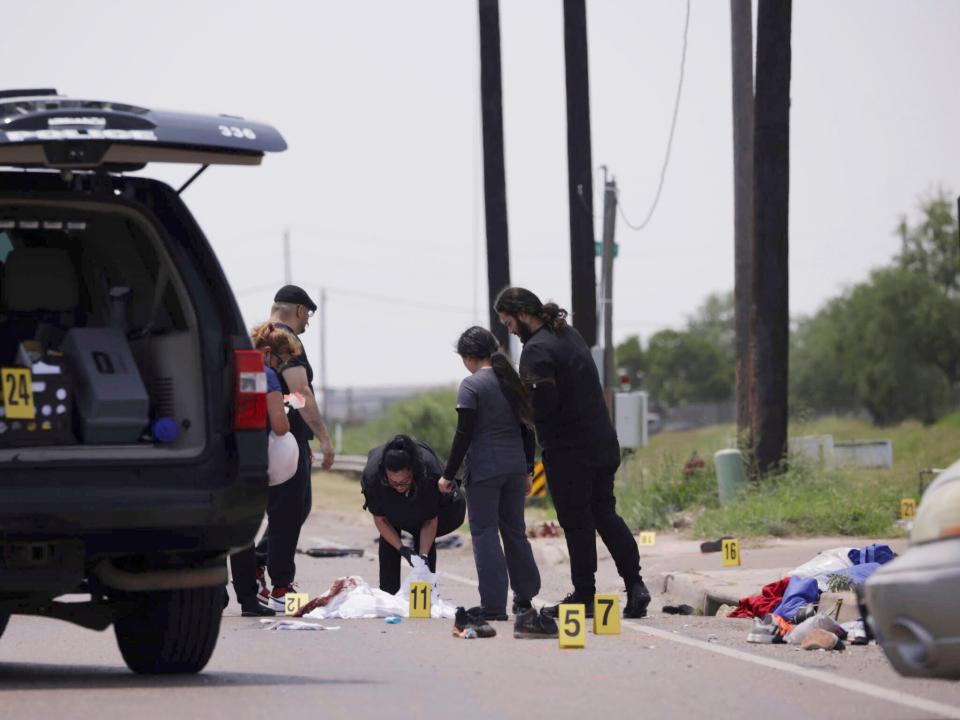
{"x":806,"y":500}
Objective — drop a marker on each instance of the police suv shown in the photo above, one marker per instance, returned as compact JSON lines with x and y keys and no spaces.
{"x":132,"y":443}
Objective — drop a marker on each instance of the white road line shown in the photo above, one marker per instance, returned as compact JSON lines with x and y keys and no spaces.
{"x":880,"y":693}
{"x":875,"y":691}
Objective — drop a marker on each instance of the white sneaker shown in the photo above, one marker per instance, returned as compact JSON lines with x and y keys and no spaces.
{"x":276,"y":599}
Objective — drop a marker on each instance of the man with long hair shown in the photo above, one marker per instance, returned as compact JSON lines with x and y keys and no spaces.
{"x":581,"y":453}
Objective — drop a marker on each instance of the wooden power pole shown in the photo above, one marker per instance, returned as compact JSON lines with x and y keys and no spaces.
{"x":770,"y":323}
{"x":494,"y":175}
{"x":579,"y":171}
{"x":741,"y":36}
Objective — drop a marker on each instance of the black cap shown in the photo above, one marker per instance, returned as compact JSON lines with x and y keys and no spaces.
{"x":295,"y":296}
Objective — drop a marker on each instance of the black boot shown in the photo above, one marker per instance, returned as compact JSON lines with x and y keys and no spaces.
{"x":638,"y":597}
{"x":251,"y":607}
{"x":573,"y":598}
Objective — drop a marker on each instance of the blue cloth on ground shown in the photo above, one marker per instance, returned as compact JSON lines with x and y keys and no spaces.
{"x":875,"y":553}
{"x":858,"y":574}
{"x":800,"y":591}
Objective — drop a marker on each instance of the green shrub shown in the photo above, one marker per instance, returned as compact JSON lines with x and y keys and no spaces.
{"x":430,"y":417}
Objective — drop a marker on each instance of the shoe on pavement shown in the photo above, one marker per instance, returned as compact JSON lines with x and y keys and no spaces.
{"x":465,"y":621}
{"x":573,"y":598}
{"x":764,"y":631}
{"x":487,"y":614}
{"x":638,"y":598}
{"x":520,"y":606}
{"x":251,"y":607}
{"x":276,"y":599}
{"x":532,"y":625}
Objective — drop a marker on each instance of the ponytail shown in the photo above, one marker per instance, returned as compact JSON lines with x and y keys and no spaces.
{"x":553,"y":316}
{"x":513,"y":389}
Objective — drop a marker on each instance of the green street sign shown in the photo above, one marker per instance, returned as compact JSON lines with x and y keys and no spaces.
{"x":598,"y":249}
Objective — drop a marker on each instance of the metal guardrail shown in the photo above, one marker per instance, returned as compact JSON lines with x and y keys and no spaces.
{"x":344,"y":463}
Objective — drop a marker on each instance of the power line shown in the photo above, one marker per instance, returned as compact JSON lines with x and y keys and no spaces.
{"x":673,"y":128}
{"x":392,"y":300}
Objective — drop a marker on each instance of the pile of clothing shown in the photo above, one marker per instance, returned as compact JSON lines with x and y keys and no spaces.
{"x":789,"y":610}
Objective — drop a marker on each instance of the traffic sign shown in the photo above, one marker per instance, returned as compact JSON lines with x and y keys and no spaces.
{"x":539,"y":487}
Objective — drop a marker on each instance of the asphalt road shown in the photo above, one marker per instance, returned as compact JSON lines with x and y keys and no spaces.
{"x":663,"y":666}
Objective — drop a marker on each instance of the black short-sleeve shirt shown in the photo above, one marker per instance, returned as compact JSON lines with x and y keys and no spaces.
{"x":298,"y":426}
{"x":420,"y":504}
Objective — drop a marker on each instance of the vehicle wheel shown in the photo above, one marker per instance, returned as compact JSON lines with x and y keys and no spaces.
{"x":170,"y":632}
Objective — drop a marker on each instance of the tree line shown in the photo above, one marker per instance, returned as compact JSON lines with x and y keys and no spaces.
{"x":889,"y":346}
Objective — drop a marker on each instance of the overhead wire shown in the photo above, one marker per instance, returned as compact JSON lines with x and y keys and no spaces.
{"x":673,"y":128}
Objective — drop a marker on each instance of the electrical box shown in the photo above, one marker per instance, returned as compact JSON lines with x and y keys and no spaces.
{"x":630,"y":413}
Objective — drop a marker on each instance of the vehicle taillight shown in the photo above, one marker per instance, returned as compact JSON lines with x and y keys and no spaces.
{"x":250,"y":407}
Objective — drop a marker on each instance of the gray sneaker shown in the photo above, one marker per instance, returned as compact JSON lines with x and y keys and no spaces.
{"x":765,"y":631}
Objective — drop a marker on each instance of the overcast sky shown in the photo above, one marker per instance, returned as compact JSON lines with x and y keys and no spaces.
{"x":381,"y":186}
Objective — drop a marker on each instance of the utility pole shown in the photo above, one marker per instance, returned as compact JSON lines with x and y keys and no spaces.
{"x":323,"y":352}
{"x":579,"y":171}
{"x":606,"y":285}
{"x":741,"y":36}
{"x":770,"y":321}
{"x":494,"y":175}
{"x":287,"y":268}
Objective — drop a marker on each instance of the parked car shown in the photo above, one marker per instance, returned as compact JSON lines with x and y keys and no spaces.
{"x":912,"y":603}
{"x":132,"y":447}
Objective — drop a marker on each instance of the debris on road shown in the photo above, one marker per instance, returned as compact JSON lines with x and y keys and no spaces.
{"x":393,"y":620}
{"x":296,"y":625}
{"x":545,"y":530}
{"x":712,"y":546}
{"x":352,"y":598}
{"x":449,"y":542}
{"x":818,"y":639}
{"x":331,"y":552}
{"x":679,"y":610}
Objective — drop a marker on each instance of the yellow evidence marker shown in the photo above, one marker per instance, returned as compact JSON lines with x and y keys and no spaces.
{"x":648,"y":538}
{"x":294,"y":602}
{"x":731,"y":553}
{"x":420,"y":599}
{"x":606,"y":614}
{"x":17,"y":388}
{"x":573,"y":626}
{"x":908,"y":509}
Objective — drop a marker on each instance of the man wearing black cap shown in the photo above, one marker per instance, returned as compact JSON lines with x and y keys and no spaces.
{"x":290,"y":503}
{"x":399,"y":485}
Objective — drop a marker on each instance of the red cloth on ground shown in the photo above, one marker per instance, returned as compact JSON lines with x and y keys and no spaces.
{"x":762,"y":604}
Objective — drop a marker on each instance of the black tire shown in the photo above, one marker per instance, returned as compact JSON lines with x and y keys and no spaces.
{"x":170,"y":632}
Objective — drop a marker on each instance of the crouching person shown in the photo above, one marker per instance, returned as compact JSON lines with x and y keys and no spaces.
{"x":399,"y":485}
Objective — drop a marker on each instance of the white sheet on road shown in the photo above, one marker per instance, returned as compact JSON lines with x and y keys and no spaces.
{"x":352,"y":598}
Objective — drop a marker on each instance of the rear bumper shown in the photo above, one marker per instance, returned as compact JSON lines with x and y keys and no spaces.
{"x":912,"y":609}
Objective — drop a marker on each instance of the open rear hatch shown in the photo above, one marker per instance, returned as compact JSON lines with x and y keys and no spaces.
{"x":100,"y":345}
{"x":39,"y":128}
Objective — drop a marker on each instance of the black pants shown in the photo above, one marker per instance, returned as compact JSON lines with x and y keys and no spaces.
{"x":243,"y":568}
{"x":450,"y":518}
{"x":583,"y":496}
{"x":496,"y":511}
{"x":288,"y":506}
